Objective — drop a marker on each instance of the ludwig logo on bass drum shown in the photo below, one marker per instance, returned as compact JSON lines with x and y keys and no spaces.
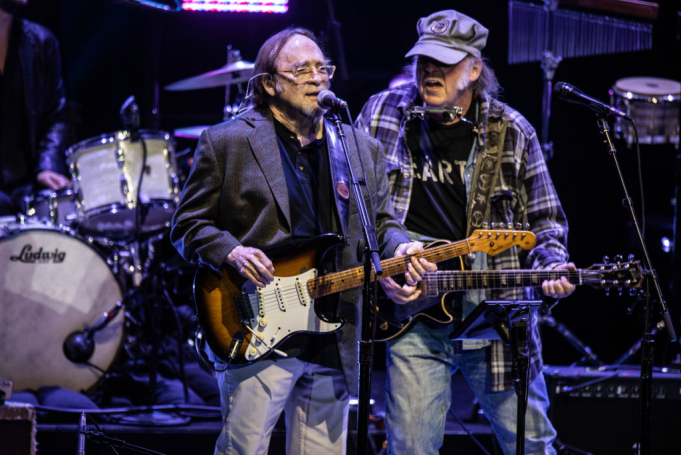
{"x":28,"y":255}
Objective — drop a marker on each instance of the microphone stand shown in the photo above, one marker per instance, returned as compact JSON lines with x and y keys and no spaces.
{"x":648,"y":344}
{"x":370,"y":254}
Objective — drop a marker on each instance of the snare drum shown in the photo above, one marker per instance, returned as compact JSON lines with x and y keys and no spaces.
{"x":51,"y":285}
{"x":106,"y":173}
{"x":57,"y":208}
{"x":653,"y":104}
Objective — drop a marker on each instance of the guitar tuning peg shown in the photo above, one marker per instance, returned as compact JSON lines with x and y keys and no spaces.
{"x":493,"y":225}
{"x":509,"y":226}
{"x":471,"y":256}
{"x":485,"y":225}
{"x":527,"y":226}
{"x":618,"y":258}
{"x":632,"y":292}
{"x":630,"y":257}
{"x":519,"y":226}
{"x":606,"y":259}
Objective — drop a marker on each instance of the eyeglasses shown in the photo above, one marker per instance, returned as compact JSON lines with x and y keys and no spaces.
{"x":305,"y":73}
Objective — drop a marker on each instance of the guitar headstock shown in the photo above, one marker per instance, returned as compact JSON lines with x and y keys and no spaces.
{"x":619,"y":275}
{"x":494,"y":241}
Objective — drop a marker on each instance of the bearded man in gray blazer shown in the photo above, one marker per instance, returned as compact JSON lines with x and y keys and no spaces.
{"x":262,"y":185}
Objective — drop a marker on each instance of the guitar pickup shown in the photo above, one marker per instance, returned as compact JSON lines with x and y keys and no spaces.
{"x":302,"y":294}
{"x":244,"y":310}
{"x":280,"y":298}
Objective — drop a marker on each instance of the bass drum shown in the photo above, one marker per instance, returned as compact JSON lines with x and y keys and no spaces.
{"x":51,"y":285}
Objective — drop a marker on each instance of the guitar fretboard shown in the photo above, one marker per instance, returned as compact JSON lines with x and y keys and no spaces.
{"x":490,"y":243}
{"x":447,"y":281}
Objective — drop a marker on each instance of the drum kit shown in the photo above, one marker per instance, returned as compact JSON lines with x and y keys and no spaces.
{"x":78,"y":255}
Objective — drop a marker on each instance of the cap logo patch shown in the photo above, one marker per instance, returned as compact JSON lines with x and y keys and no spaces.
{"x":440,"y":27}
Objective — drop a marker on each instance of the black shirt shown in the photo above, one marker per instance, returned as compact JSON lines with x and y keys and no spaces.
{"x":308,"y":181}
{"x":438,"y":200}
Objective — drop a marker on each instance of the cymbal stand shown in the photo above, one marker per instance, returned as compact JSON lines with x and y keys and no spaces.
{"x":230,"y":109}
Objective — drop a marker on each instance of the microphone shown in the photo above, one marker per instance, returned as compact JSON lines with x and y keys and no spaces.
{"x":79,"y":346}
{"x":327,"y":100}
{"x":82,"y":431}
{"x":571,"y":94}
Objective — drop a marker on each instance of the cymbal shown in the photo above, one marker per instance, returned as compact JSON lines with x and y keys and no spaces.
{"x":232,"y":73}
{"x":190,"y":132}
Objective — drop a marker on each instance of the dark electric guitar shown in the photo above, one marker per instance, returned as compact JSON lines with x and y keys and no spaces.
{"x":444,"y":282}
{"x":251,"y":322}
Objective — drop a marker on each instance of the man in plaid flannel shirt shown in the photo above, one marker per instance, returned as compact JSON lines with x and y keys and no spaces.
{"x":431,"y":163}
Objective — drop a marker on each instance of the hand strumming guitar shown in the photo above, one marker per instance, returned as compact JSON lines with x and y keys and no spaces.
{"x":252,"y":264}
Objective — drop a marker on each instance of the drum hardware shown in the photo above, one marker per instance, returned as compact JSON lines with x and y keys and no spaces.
{"x":56,"y":208}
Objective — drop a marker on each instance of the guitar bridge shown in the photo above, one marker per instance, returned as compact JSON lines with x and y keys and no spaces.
{"x":244,"y":310}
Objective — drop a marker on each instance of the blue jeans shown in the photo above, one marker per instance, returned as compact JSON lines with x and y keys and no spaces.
{"x":418,"y":395}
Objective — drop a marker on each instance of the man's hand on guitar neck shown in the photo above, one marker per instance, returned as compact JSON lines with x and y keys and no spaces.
{"x":557,"y":289}
{"x":252,"y":264}
{"x":415,"y":272}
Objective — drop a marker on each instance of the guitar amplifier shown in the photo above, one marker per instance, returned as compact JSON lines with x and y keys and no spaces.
{"x":599,"y":411}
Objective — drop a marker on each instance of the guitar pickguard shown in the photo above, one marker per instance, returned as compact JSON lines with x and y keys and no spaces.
{"x":280,"y":309}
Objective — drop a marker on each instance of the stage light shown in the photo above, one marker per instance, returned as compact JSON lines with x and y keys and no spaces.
{"x":237,"y":6}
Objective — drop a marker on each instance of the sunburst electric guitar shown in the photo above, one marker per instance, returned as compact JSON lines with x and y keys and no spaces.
{"x":250,"y":322}
{"x":444,"y":282}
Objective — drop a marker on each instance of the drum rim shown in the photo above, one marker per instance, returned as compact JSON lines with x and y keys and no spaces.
{"x":638,"y":95}
{"x":102,"y":209}
{"x":76,"y":148}
{"x":101,"y":371}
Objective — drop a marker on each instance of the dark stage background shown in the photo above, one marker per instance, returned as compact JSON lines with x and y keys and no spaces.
{"x":108,"y":54}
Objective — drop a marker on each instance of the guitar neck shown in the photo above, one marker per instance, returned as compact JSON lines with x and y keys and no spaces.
{"x":348,"y":279}
{"x":449,"y":280}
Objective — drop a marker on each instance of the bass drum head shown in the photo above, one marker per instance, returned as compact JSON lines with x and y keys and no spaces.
{"x":51,"y":285}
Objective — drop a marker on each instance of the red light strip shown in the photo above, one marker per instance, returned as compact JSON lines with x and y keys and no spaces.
{"x":236,"y":6}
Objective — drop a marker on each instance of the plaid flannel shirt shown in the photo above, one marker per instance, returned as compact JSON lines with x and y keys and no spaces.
{"x":523,"y":193}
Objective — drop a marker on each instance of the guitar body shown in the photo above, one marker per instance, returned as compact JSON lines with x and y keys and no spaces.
{"x":238,"y":316}
{"x":434,"y":314}
{"x":397,"y":319}
{"x":278,"y":311}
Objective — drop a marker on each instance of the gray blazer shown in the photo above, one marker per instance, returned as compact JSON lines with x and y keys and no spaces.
{"x":236,"y":195}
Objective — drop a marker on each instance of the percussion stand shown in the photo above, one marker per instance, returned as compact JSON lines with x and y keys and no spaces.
{"x":648,"y":342}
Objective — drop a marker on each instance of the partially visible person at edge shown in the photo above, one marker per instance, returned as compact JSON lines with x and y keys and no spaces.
{"x":441,"y":178}
{"x":32,"y":131}
{"x":261,"y":186}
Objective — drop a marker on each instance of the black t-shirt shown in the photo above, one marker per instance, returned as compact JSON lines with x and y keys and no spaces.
{"x":438,"y":199}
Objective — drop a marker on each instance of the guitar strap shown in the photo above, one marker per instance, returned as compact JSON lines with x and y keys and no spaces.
{"x":487,"y":166}
{"x":340,"y":174}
